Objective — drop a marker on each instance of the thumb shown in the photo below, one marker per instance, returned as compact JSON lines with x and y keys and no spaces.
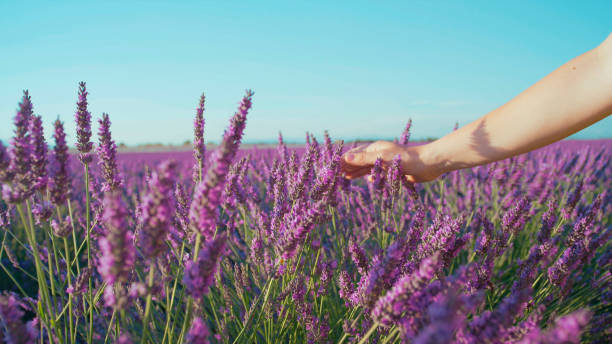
{"x":360,"y":158}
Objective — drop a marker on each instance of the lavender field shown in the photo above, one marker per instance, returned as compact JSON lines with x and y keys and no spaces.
{"x":274,"y":245}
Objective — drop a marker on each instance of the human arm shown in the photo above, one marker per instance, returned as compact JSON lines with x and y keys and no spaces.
{"x":574,"y":96}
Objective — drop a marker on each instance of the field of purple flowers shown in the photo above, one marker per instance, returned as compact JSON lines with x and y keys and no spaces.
{"x":275,"y":246}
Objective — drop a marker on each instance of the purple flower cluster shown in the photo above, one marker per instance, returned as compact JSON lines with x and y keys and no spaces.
{"x":199,"y":148}
{"x":406,"y":133}
{"x":107,"y":151}
{"x":19,"y":171}
{"x":60,"y":188}
{"x":83,"y":122}
{"x":116,"y":247}
{"x":39,"y":154}
{"x":203,"y":214}
{"x":157,"y":211}
{"x":199,"y":274}
{"x":14,"y":329}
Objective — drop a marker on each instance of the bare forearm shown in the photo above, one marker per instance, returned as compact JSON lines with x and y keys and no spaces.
{"x":574,"y":96}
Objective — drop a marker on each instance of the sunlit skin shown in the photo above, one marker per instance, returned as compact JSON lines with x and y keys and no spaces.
{"x":571,"y":98}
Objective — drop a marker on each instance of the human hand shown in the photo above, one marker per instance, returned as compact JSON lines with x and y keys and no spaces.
{"x":415,"y":165}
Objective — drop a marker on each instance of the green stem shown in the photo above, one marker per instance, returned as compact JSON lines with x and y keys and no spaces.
{"x":145,"y":321}
{"x":89,"y":264}
{"x":368,"y":334}
{"x":74,"y":242}
{"x":40,"y":275}
{"x":171,"y":303}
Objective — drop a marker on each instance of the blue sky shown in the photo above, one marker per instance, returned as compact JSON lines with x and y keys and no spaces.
{"x":359,"y":69}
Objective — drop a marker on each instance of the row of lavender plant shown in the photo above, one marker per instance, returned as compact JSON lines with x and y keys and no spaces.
{"x":274,"y":245}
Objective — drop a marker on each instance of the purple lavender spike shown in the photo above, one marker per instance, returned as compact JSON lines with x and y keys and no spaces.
{"x":549,"y":218}
{"x":157,"y":211}
{"x":567,"y":329}
{"x":390,"y":307}
{"x":83,"y":121}
{"x":377,"y":175}
{"x":359,"y":257}
{"x":21,"y":155}
{"x":60,"y":189}
{"x":199,"y":275}
{"x":327,"y":146}
{"x":406,"y":133}
{"x":572,"y":200}
{"x":514,"y":220}
{"x":13,"y":328}
{"x":39,"y":154}
{"x":394,"y":176}
{"x":107,"y":152}
{"x":5,"y":161}
{"x":302,"y":222}
{"x":42,"y":211}
{"x":282,"y":148}
{"x":304,"y":175}
{"x":117,"y":247}
{"x":204,"y":209}
{"x":444,"y":319}
{"x":198,"y":333}
{"x":199,"y":148}
{"x":490,"y":324}
{"x":345,"y":285}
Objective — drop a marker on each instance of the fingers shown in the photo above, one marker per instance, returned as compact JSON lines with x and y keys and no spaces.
{"x":358,"y":157}
{"x":357,"y":173}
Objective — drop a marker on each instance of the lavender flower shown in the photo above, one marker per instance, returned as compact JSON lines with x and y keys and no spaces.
{"x":39,"y":154}
{"x":5,"y":216}
{"x":345,"y":285}
{"x":21,"y":155}
{"x":117,"y":247}
{"x":60,"y":183}
{"x":199,"y":275}
{"x":301,"y":223}
{"x":548,"y":221}
{"x":107,"y":151}
{"x":394,"y":175}
{"x":327,"y":146}
{"x":572,"y":200}
{"x":42,"y":211}
{"x":406,"y":134}
{"x":282,"y":148}
{"x":561,"y":269}
{"x":4,"y":163}
{"x":490,"y":324}
{"x":204,"y":209}
{"x":444,"y":321}
{"x":199,"y":148}
{"x":61,"y":228}
{"x":567,"y":329}
{"x":326,"y":185}
{"x":14,"y":329}
{"x":157,"y":211}
{"x":304,"y":174}
{"x":359,"y":257}
{"x":390,"y":307}
{"x":124,"y":338}
{"x":377,"y":175}
{"x":83,"y":121}
{"x":514,"y":220}
{"x":182,"y":207}
{"x":80,"y":285}
{"x":198,"y":333}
